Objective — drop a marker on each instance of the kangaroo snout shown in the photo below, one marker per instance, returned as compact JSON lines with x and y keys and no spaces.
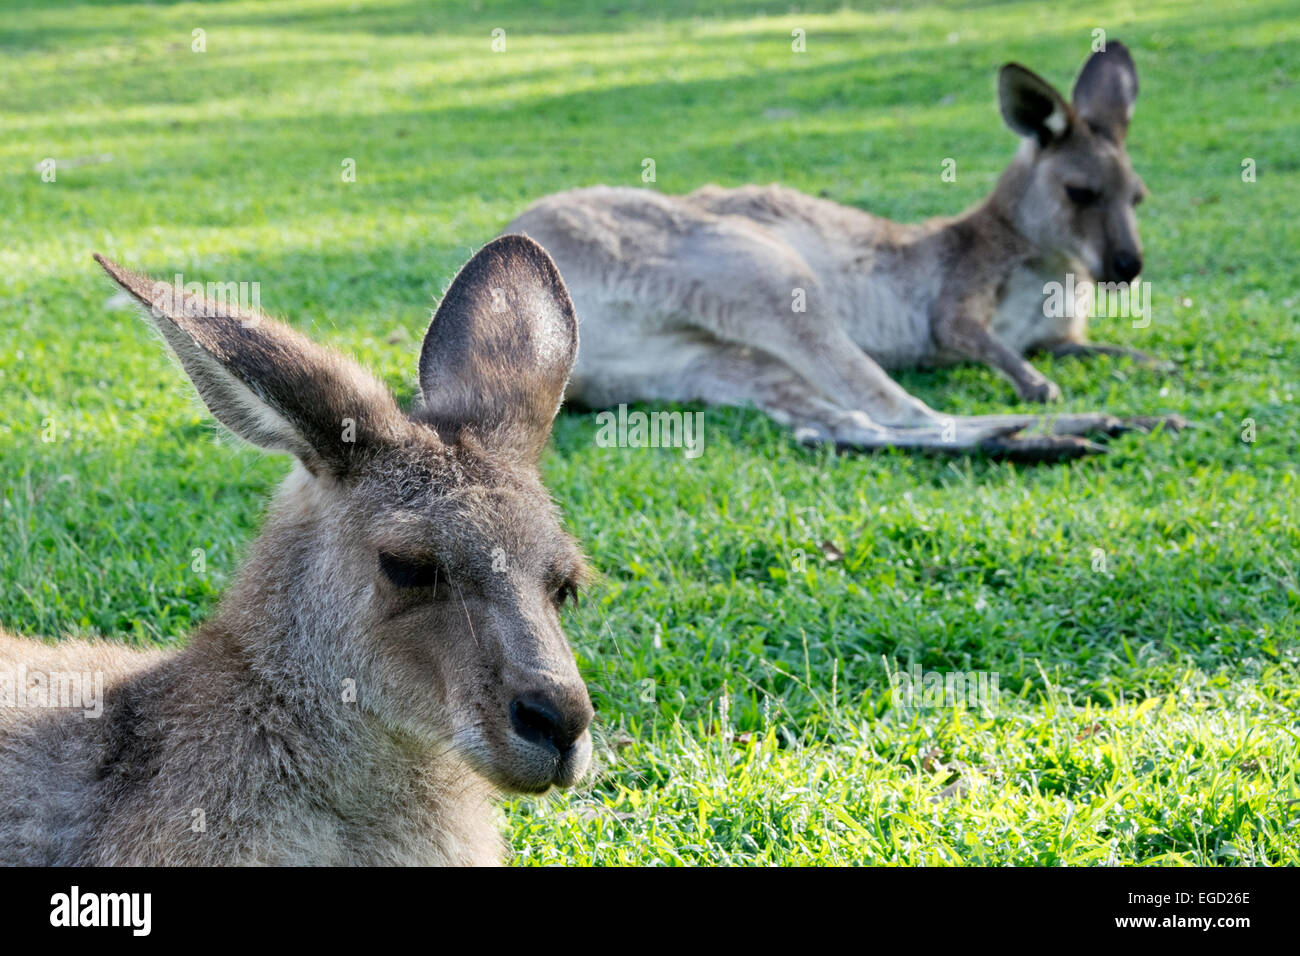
{"x":1125,"y":265}
{"x":552,"y":745}
{"x":550,"y":721}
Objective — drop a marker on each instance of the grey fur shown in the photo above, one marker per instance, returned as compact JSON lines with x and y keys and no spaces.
{"x":244,"y":747}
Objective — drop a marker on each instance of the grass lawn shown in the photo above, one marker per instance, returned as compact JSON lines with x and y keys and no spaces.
{"x":1139,"y":610}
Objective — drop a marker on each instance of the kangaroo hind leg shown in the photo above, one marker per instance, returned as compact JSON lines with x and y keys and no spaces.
{"x":741,"y":376}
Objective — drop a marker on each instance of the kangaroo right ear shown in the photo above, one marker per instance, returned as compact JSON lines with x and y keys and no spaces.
{"x":1031,"y":106}
{"x":498,"y":354}
{"x":265,"y":382}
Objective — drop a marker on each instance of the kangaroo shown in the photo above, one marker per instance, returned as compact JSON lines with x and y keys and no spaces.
{"x":390,"y":655}
{"x":798,"y":306}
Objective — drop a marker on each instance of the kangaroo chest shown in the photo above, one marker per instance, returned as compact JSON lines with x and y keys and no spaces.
{"x":1038,"y":308}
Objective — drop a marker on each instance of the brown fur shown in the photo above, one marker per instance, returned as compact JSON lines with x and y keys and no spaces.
{"x":421,"y":565}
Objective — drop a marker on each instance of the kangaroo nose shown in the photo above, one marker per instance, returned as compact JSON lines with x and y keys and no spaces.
{"x":1126,"y":265}
{"x":542,"y":720}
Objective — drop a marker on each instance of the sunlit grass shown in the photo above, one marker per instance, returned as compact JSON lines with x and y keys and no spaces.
{"x":1139,"y":610}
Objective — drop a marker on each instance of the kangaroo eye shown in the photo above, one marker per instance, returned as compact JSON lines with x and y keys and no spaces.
{"x":566,"y":593}
{"x":411,"y":573}
{"x":1137,"y":199}
{"x":1081,"y":195}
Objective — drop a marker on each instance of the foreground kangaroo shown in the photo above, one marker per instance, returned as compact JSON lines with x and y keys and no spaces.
{"x":390,"y":653}
{"x":797,"y":305}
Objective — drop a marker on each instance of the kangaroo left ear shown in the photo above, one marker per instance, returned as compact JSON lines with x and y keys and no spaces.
{"x":1031,"y":106}
{"x":1105,"y":91}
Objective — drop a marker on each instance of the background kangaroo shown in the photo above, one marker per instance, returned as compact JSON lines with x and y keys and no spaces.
{"x":391,"y":651}
{"x":799,"y":305}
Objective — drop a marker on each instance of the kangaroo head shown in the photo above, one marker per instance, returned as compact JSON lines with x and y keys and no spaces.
{"x":1072,"y":189}
{"x":413,"y":557}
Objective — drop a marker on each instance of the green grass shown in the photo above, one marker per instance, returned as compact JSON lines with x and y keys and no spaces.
{"x":1148,"y":691}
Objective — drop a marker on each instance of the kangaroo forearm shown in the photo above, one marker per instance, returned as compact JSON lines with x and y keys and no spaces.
{"x":973,"y":340}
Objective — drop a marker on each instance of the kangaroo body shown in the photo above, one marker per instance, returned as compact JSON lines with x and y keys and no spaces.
{"x":642,"y":268}
{"x":801,"y":306}
{"x":203,"y":757}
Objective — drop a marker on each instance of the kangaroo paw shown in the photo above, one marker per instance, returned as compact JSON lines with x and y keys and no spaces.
{"x":1096,"y":424}
{"x":1037,"y":449}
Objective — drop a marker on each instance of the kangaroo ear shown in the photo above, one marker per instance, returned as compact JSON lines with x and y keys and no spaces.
{"x":498,"y":354}
{"x":1106,"y":90}
{"x":265,"y":382}
{"x":1031,"y":106}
